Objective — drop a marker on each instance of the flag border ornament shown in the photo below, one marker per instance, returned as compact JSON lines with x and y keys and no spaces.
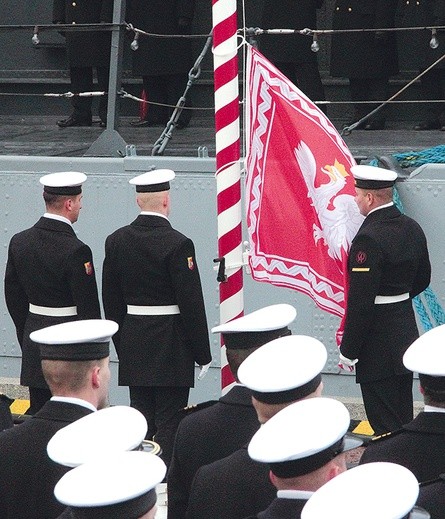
{"x":292,"y":273}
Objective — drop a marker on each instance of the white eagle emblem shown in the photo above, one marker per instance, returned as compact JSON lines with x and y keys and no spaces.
{"x":338,"y":215}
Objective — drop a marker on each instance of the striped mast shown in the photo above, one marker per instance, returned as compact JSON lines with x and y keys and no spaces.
{"x":228,"y":177}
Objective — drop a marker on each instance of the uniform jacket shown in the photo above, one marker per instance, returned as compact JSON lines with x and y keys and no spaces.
{"x":288,"y":14}
{"x":432,"y":498}
{"x":27,"y":474}
{"x":419,"y":446}
{"x":362,"y":55}
{"x":231,"y":488}
{"x":150,"y":263}
{"x":414,"y":49}
{"x":84,"y":48}
{"x":206,"y":436}
{"x":388,"y":256}
{"x":161,"y":56}
{"x":282,"y":508}
{"x":47,"y":266}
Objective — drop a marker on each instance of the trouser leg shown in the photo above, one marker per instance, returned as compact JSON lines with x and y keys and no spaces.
{"x":169,"y":403}
{"x":144,"y":400}
{"x":388,"y":402}
{"x":81,"y":81}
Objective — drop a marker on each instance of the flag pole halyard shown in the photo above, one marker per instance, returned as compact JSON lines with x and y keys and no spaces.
{"x":228,"y":177}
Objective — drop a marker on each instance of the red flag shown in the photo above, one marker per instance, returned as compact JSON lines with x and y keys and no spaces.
{"x":301,"y":213}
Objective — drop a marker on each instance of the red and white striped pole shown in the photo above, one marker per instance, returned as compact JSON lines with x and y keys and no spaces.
{"x":228,"y":177}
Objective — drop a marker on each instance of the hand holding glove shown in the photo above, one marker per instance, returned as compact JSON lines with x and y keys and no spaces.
{"x":347,"y":362}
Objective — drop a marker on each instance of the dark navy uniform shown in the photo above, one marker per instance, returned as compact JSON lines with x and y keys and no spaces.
{"x":418,"y":446}
{"x":292,"y":53}
{"x":283,"y":508}
{"x":231,"y":488}
{"x":148,"y":263}
{"x":432,"y":497}
{"x":27,"y":474}
{"x":416,"y":54}
{"x":163,"y":63}
{"x":206,"y":436}
{"x":388,"y":257}
{"x":86,"y":50}
{"x":47,"y":266}
{"x":366,"y":58}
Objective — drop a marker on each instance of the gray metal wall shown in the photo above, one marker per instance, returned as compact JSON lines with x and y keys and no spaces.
{"x":109,"y":203}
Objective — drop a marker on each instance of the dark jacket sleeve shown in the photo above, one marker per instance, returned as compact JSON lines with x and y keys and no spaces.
{"x":187,"y":285}
{"x":16,"y":297}
{"x":364,"y":266}
{"x":82,"y":280}
{"x":112,"y":296}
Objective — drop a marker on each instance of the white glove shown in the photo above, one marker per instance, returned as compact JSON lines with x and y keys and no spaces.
{"x":347,"y":362}
{"x":203,"y":371}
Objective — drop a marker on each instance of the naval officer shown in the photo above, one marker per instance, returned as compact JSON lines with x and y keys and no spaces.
{"x":383,"y":490}
{"x":413,"y":444}
{"x":304,"y":447}
{"x":216,"y":430}
{"x":279,"y":373}
{"x":388,"y":265}
{"x":151,"y":287}
{"x":121,"y":485}
{"x":75,"y":363}
{"x":50,"y":276}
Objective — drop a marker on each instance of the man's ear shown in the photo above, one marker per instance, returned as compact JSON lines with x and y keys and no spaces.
{"x":68,"y":204}
{"x":96,"y":377}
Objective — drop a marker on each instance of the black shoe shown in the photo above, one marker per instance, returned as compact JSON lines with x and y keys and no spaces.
{"x":74,"y":120}
{"x":427,"y":125}
{"x":139,"y":123}
{"x":103,"y":124}
{"x":375,"y":125}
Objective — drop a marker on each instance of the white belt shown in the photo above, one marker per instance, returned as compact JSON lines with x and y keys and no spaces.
{"x":152,"y":310}
{"x":65,"y":311}
{"x":384,"y":300}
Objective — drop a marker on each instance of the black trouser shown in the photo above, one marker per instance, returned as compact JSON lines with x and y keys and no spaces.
{"x":388,"y":402}
{"x":166,"y":90}
{"x":369,"y":89}
{"x":37,"y":398}
{"x":162,"y":408}
{"x":306,"y":77}
{"x":433,"y":87}
{"x":82,"y":81}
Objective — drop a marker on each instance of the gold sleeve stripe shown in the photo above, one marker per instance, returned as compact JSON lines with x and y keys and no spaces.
{"x":363,"y":269}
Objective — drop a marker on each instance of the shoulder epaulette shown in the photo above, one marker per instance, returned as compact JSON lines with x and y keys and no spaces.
{"x":197,"y":407}
{"x":387,"y":435}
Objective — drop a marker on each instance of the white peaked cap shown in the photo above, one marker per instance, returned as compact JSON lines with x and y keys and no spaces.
{"x":88,"y":330}
{"x":303,"y":437}
{"x":374,"y":490}
{"x":64,"y":182}
{"x":283,"y":364}
{"x":426,"y":354}
{"x":115,"y":479}
{"x":265,"y":319}
{"x":152,"y":181}
{"x":114,"y":429}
